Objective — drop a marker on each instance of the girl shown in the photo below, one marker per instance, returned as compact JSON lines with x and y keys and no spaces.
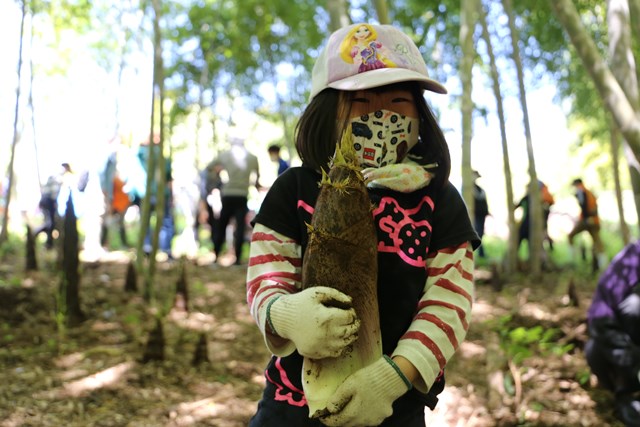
{"x":425,"y":284}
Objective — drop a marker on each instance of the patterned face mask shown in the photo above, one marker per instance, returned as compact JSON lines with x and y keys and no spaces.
{"x":383,"y":137}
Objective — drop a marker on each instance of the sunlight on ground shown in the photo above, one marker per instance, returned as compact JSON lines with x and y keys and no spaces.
{"x":190,"y":412}
{"x":99,"y":254}
{"x":69,"y":360}
{"x":107,"y":378}
{"x":469,"y":350}
{"x":28,"y":282}
{"x":538,"y":312}
{"x":197,"y":321}
{"x":456,"y":410}
{"x":70,"y":364}
{"x":482,"y":310}
{"x":223,"y":405}
{"x":482,"y":275}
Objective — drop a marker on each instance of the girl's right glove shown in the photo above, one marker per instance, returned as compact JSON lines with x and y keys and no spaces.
{"x":312,"y":320}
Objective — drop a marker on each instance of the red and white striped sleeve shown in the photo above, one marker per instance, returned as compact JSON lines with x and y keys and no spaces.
{"x":275,"y":269}
{"x":443,"y":313}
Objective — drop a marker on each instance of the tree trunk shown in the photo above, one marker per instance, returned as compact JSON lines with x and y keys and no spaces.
{"x":512,"y":249}
{"x":4,"y":232}
{"x":273,"y":76}
{"x":157,"y":124}
{"x":621,"y":57}
{"x":634,"y":174}
{"x":535,"y":207}
{"x":382,"y":10}
{"x":286,"y":129}
{"x":467,"y":25}
{"x":615,"y":156}
{"x":627,"y":119}
{"x":624,"y":69}
{"x":145,"y":210}
{"x":338,"y":14}
{"x":204,"y":85}
{"x":151,"y":167}
{"x":33,"y":110}
{"x":70,"y":283}
{"x":31,"y":263}
{"x":634,"y":15}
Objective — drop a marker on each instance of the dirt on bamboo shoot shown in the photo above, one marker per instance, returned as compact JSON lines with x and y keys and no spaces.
{"x":342,"y":254}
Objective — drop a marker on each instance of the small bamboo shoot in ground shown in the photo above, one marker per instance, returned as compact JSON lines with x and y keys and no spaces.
{"x":342,"y":254}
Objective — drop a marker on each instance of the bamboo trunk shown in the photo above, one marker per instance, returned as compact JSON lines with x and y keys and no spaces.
{"x":342,"y":254}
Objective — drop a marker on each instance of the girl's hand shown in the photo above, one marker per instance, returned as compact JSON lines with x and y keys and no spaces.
{"x":366,"y":397}
{"x":319,"y":320}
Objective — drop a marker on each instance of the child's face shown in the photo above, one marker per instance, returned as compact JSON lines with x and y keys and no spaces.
{"x":384,"y":124}
{"x":398,"y":101}
{"x":362,"y":33}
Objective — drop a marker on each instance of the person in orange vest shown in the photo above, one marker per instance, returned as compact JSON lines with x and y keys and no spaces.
{"x":546,"y":199}
{"x":117,"y":203}
{"x":588,"y":221}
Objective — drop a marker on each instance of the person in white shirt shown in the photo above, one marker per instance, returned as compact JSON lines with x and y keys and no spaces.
{"x":241,"y":170}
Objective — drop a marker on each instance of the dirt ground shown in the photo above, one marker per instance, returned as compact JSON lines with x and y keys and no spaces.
{"x":92,"y":375}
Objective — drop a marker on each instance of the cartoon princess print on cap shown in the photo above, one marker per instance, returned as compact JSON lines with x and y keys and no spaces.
{"x":361,"y":47}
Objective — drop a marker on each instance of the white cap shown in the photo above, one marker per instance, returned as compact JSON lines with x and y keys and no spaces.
{"x":364,"y":56}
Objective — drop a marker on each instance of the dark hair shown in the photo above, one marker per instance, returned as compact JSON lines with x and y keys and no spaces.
{"x":577,"y":181}
{"x":320,"y":125}
{"x":274,"y":148}
{"x":316,"y":133}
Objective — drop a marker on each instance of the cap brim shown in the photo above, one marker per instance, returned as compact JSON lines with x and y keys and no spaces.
{"x":386,"y":76}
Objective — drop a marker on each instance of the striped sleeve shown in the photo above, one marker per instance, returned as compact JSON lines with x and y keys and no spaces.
{"x":444,"y":311}
{"x":275,"y":269}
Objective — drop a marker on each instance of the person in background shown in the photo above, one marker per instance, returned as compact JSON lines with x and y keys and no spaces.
{"x":117,"y":207}
{"x":167,"y":229}
{"x":546,"y":199}
{"x":210,"y":185}
{"x":49,"y":206}
{"x":72,"y":189}
{"x":67,"y":186}
{"x":425,"y":283}
{"x":588,"y":221}
{"x":116,"y":200}
{"x":274,"y":154}
{"x":480,"y":210}
{"x":613,"y":348}
{"x":242,"y":170}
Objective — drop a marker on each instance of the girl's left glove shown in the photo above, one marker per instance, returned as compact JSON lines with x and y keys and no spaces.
{"x":366,"y":397}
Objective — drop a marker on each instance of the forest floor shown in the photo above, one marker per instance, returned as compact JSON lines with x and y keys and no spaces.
{"x":521,"y":364}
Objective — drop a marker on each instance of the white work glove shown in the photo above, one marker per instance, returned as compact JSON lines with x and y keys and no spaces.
{"x":314,"y":323}
{"x":630,"y":305}
{"x":366,"y":397}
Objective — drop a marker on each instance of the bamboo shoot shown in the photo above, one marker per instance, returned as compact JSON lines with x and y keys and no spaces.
{"x":342,"y":254}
